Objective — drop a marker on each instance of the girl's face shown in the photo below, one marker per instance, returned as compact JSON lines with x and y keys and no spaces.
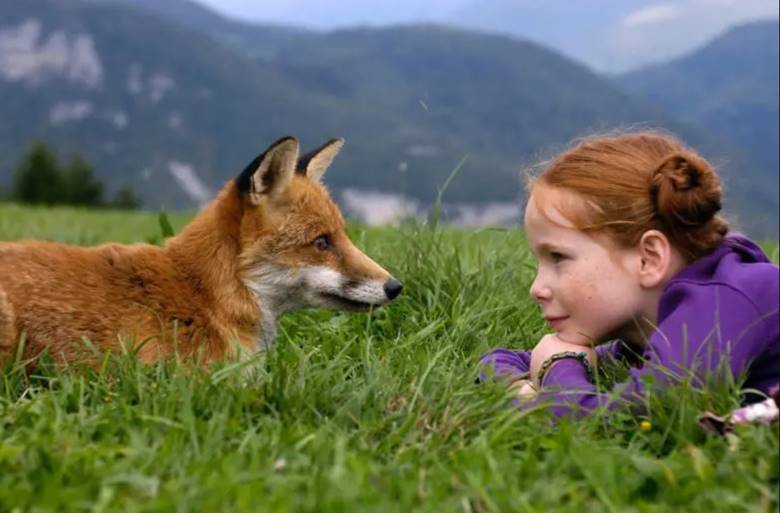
{"x":588,"y":288}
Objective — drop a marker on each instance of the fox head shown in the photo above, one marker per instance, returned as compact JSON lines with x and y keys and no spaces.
{"x":295,"y":252}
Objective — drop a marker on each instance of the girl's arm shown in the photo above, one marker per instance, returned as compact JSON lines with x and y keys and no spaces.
{"x":514,"y":365}
{"x":504,"y":364}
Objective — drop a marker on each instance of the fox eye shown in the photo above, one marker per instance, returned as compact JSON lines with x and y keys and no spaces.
{"x":323,"y":242}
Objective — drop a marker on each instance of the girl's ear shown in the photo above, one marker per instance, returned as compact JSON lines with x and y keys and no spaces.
{"x":657,"y":259}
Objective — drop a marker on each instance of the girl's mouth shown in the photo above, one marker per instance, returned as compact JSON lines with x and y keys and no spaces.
{"x":555,"y":322}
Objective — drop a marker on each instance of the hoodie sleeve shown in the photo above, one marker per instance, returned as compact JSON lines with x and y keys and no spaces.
{"x":504,"y":363}
{"x":515,"y":364}
{"x":702,"y":324}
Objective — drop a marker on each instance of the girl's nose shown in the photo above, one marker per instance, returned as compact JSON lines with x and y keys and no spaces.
{"x":539,"y":291}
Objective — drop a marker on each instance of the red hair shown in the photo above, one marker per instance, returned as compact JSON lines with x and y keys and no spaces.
{"x":636,"y":182}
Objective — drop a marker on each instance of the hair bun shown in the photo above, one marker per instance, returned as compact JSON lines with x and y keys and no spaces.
{"x":685,"y":189}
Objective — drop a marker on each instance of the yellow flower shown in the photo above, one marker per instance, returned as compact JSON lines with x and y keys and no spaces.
{"x":645,"y":426}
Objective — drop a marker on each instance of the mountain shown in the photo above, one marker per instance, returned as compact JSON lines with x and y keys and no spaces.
{"x":256,"y":40}
{"x":612,"y":36}
{"x":608,"y":35}
{"x":582,"y":30}
{"x":729,"y":86}
{"x":143,"y":99}
{"x":488,"y":95}
{"x":160,"y":98}
{"x":505,"y":97}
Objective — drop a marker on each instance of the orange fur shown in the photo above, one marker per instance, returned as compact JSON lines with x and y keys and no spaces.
{"x":190,"y":297}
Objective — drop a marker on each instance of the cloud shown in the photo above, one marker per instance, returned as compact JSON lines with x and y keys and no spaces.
{"x":659,"y":31}
{"x":723,"y":3}
{"x":652,"y":14}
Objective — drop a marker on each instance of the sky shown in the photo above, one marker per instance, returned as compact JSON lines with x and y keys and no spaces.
{"x":608,"y":35}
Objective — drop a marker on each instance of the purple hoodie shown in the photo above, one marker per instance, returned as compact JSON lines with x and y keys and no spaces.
{"x":723,"y":306}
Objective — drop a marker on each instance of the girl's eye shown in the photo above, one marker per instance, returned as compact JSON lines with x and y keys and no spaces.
{"x":557,"y":257}
{"x":322,"y":243}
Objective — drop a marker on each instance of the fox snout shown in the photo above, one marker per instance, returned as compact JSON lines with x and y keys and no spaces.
{"x":360,"y":278}
{"x":329,"y":288}
{"x":363,"y":295}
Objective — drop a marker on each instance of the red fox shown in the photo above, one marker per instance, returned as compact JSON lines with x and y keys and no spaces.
{"x":272,"y":241}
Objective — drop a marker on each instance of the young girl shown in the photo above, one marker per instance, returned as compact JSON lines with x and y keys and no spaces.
{"x":631,"y":251}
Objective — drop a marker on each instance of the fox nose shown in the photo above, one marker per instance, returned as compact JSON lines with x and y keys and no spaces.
{"x":393,"y":288}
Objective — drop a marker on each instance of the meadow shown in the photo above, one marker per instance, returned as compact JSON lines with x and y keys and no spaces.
{"x":360,"y":412}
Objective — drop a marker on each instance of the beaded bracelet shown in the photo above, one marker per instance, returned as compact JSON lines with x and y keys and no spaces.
{"x":581,"y":356}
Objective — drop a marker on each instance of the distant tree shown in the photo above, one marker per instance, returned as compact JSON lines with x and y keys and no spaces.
{"x":37,"y":178}
{"x":80,"y":185}
{"x":126,"y":199}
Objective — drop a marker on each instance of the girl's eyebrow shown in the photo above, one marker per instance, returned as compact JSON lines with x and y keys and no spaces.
{"x":549,"y":248}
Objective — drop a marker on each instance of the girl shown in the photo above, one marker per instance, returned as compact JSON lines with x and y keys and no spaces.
{"x":631,"y":251}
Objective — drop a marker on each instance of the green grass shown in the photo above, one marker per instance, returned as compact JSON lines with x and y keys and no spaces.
{"x":359,"y":412}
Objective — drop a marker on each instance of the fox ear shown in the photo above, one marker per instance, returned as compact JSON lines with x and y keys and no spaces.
{"x":271,"y":172}
{"x":313,"y":165}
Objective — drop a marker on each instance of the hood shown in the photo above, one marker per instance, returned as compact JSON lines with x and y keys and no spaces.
{"x":747,"y":250}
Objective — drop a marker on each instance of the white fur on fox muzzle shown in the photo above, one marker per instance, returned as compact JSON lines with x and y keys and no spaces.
{"x":328,"y":288}
{"x":279,"y":289}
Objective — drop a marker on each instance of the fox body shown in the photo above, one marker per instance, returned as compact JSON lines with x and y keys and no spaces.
{"x":270,"y":242}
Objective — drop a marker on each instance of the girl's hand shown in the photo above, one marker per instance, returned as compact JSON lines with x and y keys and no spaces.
{"x":524,"y":389}
{"x":550,"y":345}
